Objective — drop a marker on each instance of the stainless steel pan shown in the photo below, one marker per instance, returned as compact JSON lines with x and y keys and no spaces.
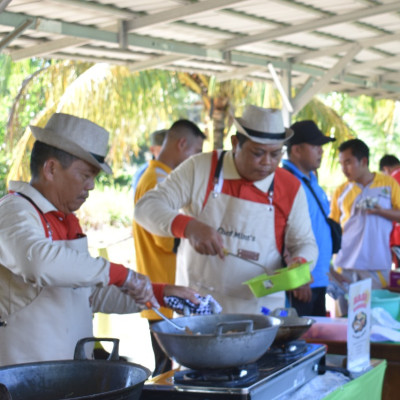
{"x":292,"y":326}
{"x":220,"y":341}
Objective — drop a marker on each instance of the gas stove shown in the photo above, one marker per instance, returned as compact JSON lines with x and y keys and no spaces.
{"x":278,"y":372}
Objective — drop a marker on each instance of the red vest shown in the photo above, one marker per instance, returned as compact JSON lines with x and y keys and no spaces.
{"x":286,"y":187}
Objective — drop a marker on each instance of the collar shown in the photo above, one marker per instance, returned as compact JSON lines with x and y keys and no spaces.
{"x":298,"y":173}
{"x":28,"y":190}
{"x":160,"y":164}
{"x":230,"y":172}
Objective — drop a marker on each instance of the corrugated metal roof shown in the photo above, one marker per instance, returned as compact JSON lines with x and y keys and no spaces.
{"x":350,"y":44}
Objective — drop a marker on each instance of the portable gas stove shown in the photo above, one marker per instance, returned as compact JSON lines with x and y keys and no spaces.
{"x":278,"y":372}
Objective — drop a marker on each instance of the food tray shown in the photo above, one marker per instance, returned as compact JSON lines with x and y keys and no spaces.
{"x":283,"y":279}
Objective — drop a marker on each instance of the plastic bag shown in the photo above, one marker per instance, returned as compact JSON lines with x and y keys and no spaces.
{"x":383,"y":326}
{"x":381,"y":317}
{"x":318,"y":387}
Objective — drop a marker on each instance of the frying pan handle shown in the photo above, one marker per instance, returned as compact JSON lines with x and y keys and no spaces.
{"x":246,"y":324}
{"x":80,"y":348}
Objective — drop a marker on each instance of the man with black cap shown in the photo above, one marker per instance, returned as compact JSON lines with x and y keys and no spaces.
{"x":50,"y":285}
{"x":240,"y":201}
{"x":304,"y":151}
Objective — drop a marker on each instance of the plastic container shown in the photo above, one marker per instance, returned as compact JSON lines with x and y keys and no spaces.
{"x":395,"y":278}
{"x":283,"y":279}
{"x":387,"y":300}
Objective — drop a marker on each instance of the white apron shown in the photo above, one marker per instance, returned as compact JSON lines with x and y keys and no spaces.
{"x":244,"y":225}
{"x":49,"y":327}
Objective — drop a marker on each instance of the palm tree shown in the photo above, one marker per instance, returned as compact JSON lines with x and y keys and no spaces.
{"x":130,"y":105}
{"x":221,"y":100}
{"x":376,"y":121}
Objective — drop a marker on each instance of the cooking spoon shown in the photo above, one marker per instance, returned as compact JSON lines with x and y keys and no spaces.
{"x":165,"y":318}
{"x":266,"y":269}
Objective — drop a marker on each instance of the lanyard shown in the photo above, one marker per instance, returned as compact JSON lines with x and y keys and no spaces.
{"x":49,"y":231}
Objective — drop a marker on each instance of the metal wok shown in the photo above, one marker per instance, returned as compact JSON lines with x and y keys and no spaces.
{"x":219,"y":341}
{"x":292,"y":326}
{"x":77,"y":379}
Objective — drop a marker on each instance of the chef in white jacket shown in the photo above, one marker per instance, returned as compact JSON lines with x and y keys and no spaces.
{"x":50,"y":286}
{"x":237,"y":200}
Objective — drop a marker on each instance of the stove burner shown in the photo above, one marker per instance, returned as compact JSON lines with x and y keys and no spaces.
{"x":275,"y":377}
{"x":288,"y":350}
{"x":230,"y":377}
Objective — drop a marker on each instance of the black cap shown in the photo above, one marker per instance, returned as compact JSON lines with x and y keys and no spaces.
{"x":308,"y":132}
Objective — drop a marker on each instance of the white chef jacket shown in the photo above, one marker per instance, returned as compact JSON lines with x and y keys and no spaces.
{"x":186,"y":188}
{"x":48,"y":289}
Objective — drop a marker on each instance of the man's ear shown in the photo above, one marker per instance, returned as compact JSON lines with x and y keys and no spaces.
{"x":294,"y":150}
{"x":364,"y":162}
{"x":181,"y":143}
{"x":50,"y":168}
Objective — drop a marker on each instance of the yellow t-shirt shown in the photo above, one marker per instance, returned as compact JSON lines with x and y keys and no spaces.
{"x":154,"y":254}
{"x":366,"y":237}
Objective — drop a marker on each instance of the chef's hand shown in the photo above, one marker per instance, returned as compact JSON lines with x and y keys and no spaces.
{"x":139,"y":287}
{"x":337,"y":276}
{"x":303,"y":293}
{"x":204,"y":238}
{"x":293,"y":262}
{"x":183,"y":292}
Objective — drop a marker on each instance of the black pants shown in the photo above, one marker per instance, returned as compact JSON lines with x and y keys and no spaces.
{"x":316,"y":307}
{"x":163,"y":363}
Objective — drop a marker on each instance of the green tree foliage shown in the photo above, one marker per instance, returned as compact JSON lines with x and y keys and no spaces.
{"x":130,"y":105}
{"x":330,"y":123}
{"x":375,"y":121}
{"x":223,"y":100}
{"x":12,"y":76}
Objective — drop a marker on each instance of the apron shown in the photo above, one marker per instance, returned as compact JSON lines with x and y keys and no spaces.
{"x":49,"y":326}
{"x":245,"y":226}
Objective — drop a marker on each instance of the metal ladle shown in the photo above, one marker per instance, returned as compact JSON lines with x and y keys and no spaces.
{"x":165,"y":318}
{"x":266,"y":269}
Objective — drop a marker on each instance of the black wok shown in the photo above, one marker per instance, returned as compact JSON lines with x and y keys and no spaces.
{"x":77,"y":379}
{"x":292,"y":326}
{"x":219,"y":341}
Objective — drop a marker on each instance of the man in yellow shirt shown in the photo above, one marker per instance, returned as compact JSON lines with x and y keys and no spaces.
{"x":156,"y":255}
{"x":365,"y":205}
